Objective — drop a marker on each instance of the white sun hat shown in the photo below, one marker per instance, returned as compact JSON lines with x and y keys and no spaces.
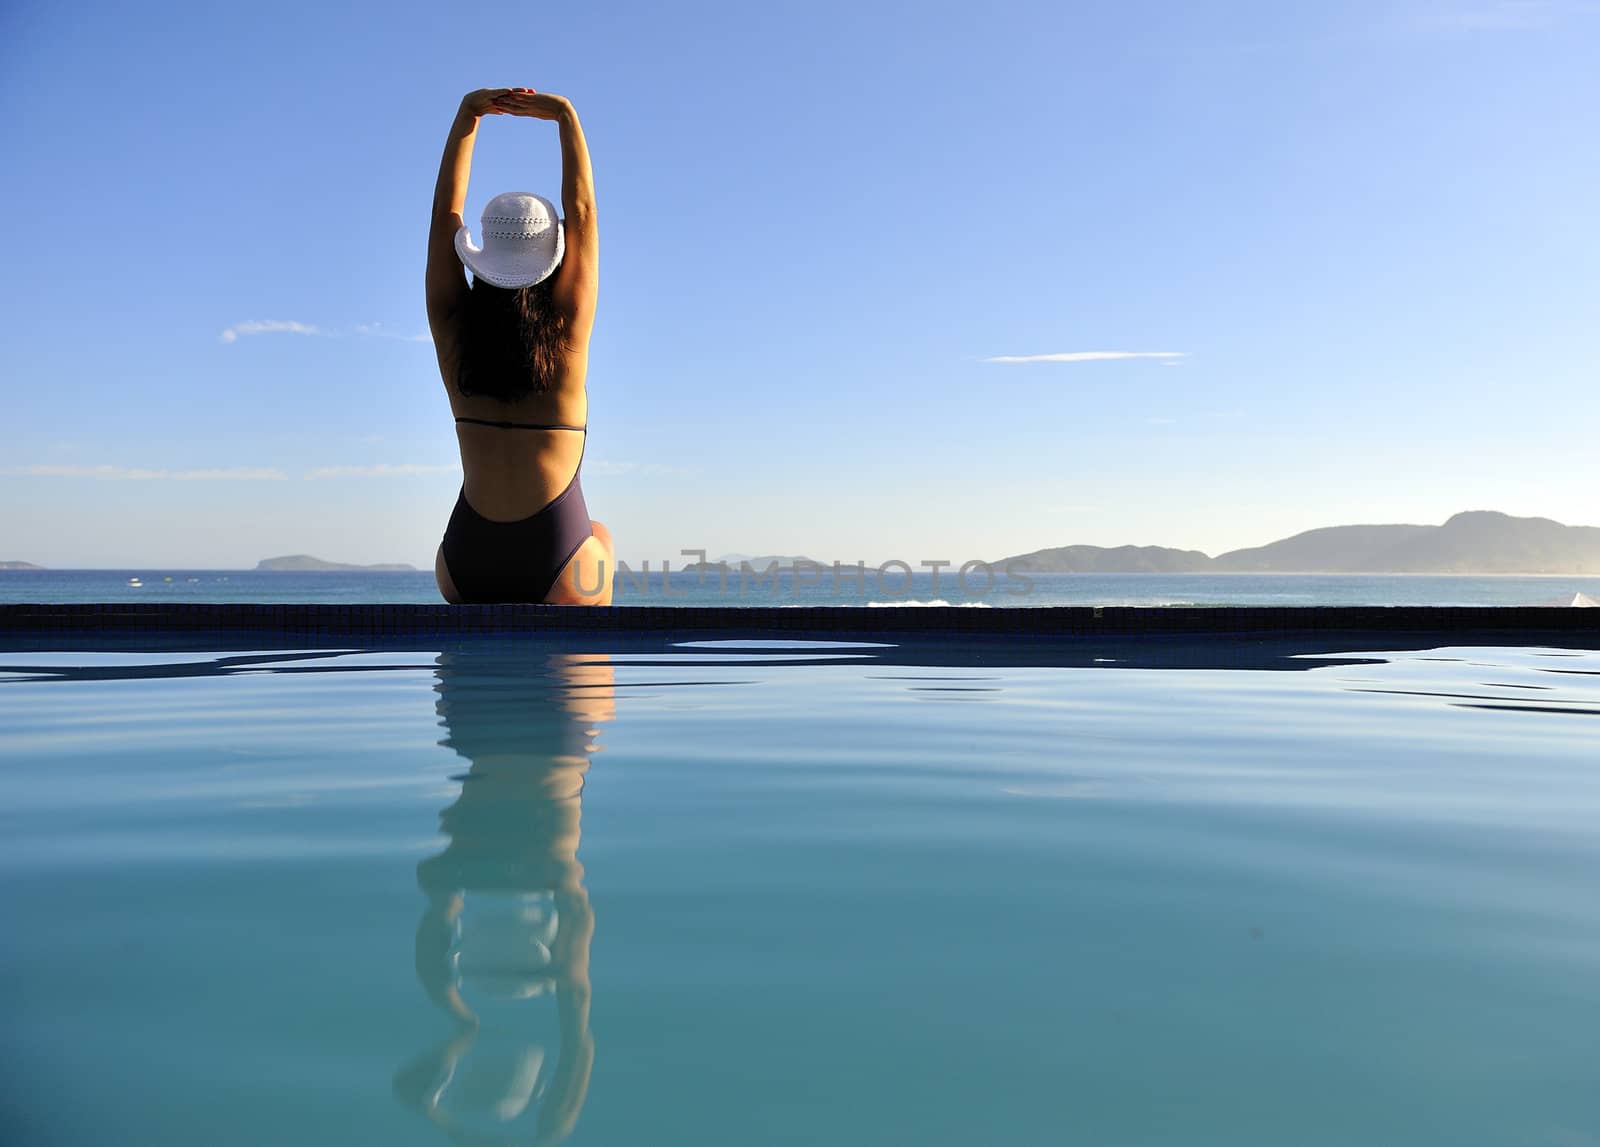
{"x":522,"y":241}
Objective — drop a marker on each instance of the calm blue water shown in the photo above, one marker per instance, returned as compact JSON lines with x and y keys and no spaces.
{"x":1080,"y":892}
{"x":892,"y":588}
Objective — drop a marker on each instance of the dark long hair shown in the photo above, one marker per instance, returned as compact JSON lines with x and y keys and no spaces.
{"x":510,"y":341}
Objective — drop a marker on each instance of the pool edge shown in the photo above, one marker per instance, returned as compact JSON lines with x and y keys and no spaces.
{"x":332,"y":620}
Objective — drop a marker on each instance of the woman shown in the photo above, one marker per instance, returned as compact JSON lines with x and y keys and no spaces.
{"x":514,"y":353}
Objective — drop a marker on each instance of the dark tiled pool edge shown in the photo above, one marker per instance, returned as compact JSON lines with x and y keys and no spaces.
{"x":797,"y":622}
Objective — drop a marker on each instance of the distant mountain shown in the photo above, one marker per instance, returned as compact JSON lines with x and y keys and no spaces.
{"x":1117,"y":559}
{"x":1478,"y":541}
{"x":1483,"y":541}
{"x":19,"y":566}
{"x":1332,"y":549}
{"x":1474,"y":542}
{"x":304,"y":562}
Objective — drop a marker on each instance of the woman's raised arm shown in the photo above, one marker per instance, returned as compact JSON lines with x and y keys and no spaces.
{"x":578,"y":279}
{"x":446,"y":281}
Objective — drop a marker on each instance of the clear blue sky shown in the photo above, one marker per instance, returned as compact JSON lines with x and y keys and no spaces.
{"x":1369,"y":229}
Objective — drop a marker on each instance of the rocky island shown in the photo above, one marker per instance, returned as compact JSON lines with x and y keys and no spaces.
{"x":302,"y":563}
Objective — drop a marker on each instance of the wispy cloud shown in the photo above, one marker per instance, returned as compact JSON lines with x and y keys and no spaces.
{"x":268,"y":327}
{"x":275,"y":474}
{"x":382,"y":470}
{"x":1086,"y":356}
{"x":413,"y":469}
{"x":290,"y":327}
{"x":140,"y":474}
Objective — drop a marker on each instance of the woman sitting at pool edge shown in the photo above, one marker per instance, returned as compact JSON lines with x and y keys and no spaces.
{"x":513,"y":352}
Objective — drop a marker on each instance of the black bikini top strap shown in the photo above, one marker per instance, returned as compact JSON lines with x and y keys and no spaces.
{"x":523,"y":425}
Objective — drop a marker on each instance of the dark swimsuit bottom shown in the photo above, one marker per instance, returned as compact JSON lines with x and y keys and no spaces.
{"x":519,"y":561}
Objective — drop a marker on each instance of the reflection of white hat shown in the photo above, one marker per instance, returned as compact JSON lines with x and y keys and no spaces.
{"x":522,"y":241}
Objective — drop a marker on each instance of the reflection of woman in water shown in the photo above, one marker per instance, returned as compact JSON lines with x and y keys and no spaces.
{"x":513,"y":348}
{"x":503,"y":944}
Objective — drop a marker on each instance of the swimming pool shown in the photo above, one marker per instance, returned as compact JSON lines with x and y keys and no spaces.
{"x":621,"y":889}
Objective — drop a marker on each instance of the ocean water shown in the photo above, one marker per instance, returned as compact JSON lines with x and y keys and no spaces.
{"x":871,"y":588}
{"x":1085,"y":891}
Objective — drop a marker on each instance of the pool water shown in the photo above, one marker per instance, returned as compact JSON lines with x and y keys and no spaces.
{"x":1133,"y":892}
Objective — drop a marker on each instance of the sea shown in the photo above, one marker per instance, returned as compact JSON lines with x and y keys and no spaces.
{"x":849,"y":586}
